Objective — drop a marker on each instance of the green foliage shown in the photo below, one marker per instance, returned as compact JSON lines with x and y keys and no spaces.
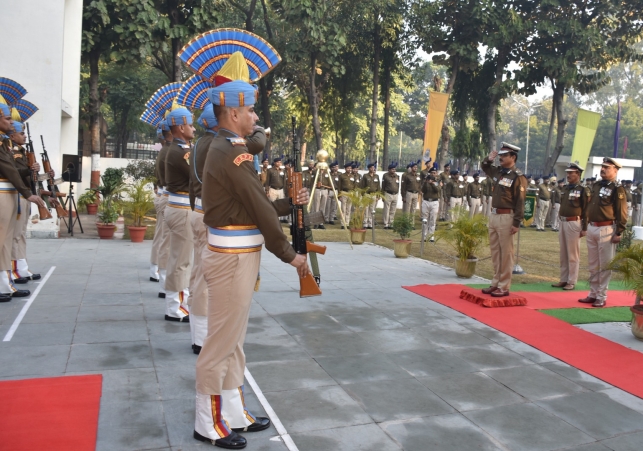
{"x":465,"y":234}
{"x":141,"y":170}
{"x":403,"y":225}
{"x":87,"y":198}
{"x":107,"y":212}
{"x":109,"y":192}
{"x":629,"y":265}
{"x":139,"y":201}
{"x":626,"y":240}
{"x":361,"y":201}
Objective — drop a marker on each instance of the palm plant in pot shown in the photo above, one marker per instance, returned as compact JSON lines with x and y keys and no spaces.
{"x":109,"y":192}
{"x":138,"y":203}
{"x":629,"y":264}
{"x":360,"y":200}
{"x":465,"y":235}
{"x":403,"y":225}
{"x":88,"y":201}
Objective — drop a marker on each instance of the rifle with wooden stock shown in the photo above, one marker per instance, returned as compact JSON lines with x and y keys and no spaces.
{"x":43,"y":211}
{"x":301,"y":233}
{"x":51,"y":184}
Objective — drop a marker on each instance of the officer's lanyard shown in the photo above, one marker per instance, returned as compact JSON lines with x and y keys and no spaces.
{"x":194,"y":152}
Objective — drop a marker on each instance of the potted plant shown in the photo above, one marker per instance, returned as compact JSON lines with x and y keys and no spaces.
{"x":138,"y":203}
{"x":466,"y":235}
{"x":629,"y":264}
{"x":109,"y":192}
{"x":360,"y":200}
{"x":107,"y":216}
{"x":402,"y":225}
{"x":88,"y":201}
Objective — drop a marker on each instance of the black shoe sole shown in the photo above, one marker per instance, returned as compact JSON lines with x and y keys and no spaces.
{"x":185,"y":319}
{"x":5,"y":298}
{"x":162,"y":295}
{"x":220,"y":442}
{"x":21,"y":294}
{"x":35,"y":277}
{"x":21,"y":280}
{"x":152,"y":279}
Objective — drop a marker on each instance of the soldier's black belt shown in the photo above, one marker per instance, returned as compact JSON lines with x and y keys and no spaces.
{"x":474,"y":197}
{"x":542,"y":198}
{"x":414,"y":192}
{"x":432,"y":200}
{"x":392,"y":193}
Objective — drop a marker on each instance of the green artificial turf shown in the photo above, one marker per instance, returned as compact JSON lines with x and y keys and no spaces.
{"x":587,"y":316}
{"x":546,"y":287}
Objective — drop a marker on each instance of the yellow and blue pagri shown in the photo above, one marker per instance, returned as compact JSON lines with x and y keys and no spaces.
{"x":162,"y":99}
{"x":179,"y":116}
{"x":11,"y":90}
{"x":17,"y":123}
{"x":26,"y":109}
{"x":208,"y":52}
{"x":194,"y":93}
{"x":4,"y":108}
{"x":233,"y":94}
{"x":207,"y":119}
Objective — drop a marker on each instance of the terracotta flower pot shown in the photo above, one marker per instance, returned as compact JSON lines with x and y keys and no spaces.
{"x":136,"y":234}
{"x":92,"y":209}
{"x":465,"y":268}
{"x":106,"y":231}
{"x":358,"y":236}
{"x":402,"y":248}
{"x":637,"y":321}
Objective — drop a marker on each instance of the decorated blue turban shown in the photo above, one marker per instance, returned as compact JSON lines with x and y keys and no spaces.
{"x":179,"y":116}
{"x":207,"y":119}
{"x":18,"y":127}
{"x":4,"y":109}
{"x":233,"y":94}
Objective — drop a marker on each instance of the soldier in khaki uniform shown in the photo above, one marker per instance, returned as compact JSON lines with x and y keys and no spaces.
{"x":411,"y":186}
{"x":487,"y":191}
{"x":627,"y":184}
{"x":544,"y":199}
{"x":275,"y":183}
{"x":240,"y":219}
{"x":264,"y":171}
{"x":474,"y":195}
{"x":636,"y":206}
{"x":507,"y":210}
{"x":177,"y":215}
{"x":573,"y":226}
{"x":356,"y":175}
{"x":454,"y":194}
{"x":330,"y":213}
{"x":346,"y":183}
{"x":607,"y":216}
{"x":371,"y":182}
{"x":431,"y":195}
{"x":556,"y":197}
{"x":444,"y":177}
{"x":390,"y":188}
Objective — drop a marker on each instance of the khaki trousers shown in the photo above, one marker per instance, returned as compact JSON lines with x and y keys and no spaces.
{"x":8,"y":212}
{"x":502,"y":249}
{"x":198,"y":298}
{"x":177,"y":221}
{"x":410,"y":203}
{"x":600,"y":251}
{"x":160,"y":202}
{"x":368,"y":215}
{"x":474,"y":207}
{"x":346,"y":208}
{"x":555,"y":222}
{"x":629,"y":209}
{"x":442,"y":209}
{"x":569,"y":241}
{"x":330,"y":211}
{"x":163,"y":249}
{"x":390,"y":205}
{"x":273,"y":195}
{"x":429,"y":211}
{"x":19,"y":245}
{"x":453,"y":202}
{"x":543,"y":208}
{"x":636,"y":215}
{"x":231,"y":279}
{"x":488,"y":211}
{"x":319,"y":201}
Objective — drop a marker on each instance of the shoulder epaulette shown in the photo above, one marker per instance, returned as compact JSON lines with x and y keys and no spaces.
{"x":519,"y":172}
{"x":235,"y":141}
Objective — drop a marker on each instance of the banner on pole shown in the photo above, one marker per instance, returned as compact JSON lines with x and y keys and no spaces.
{"x":586,"y":125}
{"x":530,"y":209}
{"x":438,"y":102}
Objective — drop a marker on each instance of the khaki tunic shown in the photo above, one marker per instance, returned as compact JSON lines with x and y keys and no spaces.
{"x":371,"y":183}
{"x":160,"y":164}
{"x":275,"y":178}
{"x":390,"y":183}
{"x":573,"y":203}
{"x":412,"y":183}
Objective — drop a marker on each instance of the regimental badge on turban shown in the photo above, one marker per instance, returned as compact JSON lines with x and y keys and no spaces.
{"x":207,"y":53}
{"x":26,"y":109}
{"x":11,"y":91}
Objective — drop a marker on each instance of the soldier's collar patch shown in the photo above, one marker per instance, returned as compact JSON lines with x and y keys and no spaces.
{"x":243,"y":157}
{"x":237,"y":141}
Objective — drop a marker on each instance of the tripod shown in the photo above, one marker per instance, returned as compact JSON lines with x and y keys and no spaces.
{"x":71,"y":202}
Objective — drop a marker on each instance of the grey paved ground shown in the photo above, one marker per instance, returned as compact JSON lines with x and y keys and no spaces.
{"x":367,"y":366}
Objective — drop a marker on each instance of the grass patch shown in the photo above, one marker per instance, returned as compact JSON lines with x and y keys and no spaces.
{"x":588,"y":316}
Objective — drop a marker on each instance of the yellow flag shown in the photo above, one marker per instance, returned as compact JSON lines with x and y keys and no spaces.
{"x":433,"y":129}
{"x":586,"y":125}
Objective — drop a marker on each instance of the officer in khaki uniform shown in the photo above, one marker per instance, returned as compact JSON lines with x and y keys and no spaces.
{"x":371,"y":182}
{"x":544,"y":199}
{"x":507,"y":211}
{"x":330,"y":212}
{"x":390,"y":188}
{"x":636,"y":206}
{"x":607,"y":217}
{"x":455,"y":192}
{"x":444,"y":177}
{"x":474,"y":195}
{"x":410,"y":188}
{"x":431,"y":195}
{"x":346,"y":183}
{"x":275,"y":183}
{"x":240,"y":219}
{"x":177,"y":215}
{"x":627,"y":184}
{"x":556,"y":197}
{"x":264,"y":171}
{"x":573,"y":226}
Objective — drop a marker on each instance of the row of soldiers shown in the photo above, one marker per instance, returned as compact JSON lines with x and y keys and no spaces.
{"x":17,"y":178}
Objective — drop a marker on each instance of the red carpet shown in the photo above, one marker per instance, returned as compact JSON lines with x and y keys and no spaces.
{"x":606,"y":360}
{"x":56,"y":414}
{"x":477,"y":297}
{"x":569,"y":299}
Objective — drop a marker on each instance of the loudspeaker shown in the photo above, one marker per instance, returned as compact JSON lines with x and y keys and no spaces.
{"x":72,"y":169}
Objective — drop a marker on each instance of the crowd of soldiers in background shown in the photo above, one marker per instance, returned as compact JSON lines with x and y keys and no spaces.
{"x":435,"y":193}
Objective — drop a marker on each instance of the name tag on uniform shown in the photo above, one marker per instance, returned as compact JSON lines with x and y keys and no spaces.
{"x":336,"y":179}
{"x":460,"y":186}
{"x":326,"y":175}
{"x":417,"y":178}
{"x":281,"y":173}
{"x":605,"y":192}
{"x":351,"y":179}
{"x":506,"y":182}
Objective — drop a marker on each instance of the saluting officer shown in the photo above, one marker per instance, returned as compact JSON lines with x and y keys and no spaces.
{"x":322,"y":192}
{"x":346,"y":183}
{"x":508,"y":206}
{"x":431,"y":194}
{"x":573,"y":226}
{"x":371,"y":182}
{"x":607,"y":216}
{"x":391,"y":188}
{"x":474,"y":195}
{"x":264,"y":170}
{"x":410,"y":189}
{"x":556,"y":198}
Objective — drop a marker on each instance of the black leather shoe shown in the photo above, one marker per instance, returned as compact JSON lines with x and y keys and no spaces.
{"x":321,"y":226}
{"x":162,"y":295}
{"x":21,"y":280}
{"x":599,"y":304}
{"x":587,"y":300}
{"x":21,"y":293}
{"x":35,"y":277}
{"x":489,"y":290}
{"x":232,"y":441}
{"x":185,"y":319}
{"x":332,"y":222}
{"x":152,"y":279}
{"x":260,"y":424}
{"x":196,"y":349}
{"x":343,"y":228}
{"x":5,"y":297}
